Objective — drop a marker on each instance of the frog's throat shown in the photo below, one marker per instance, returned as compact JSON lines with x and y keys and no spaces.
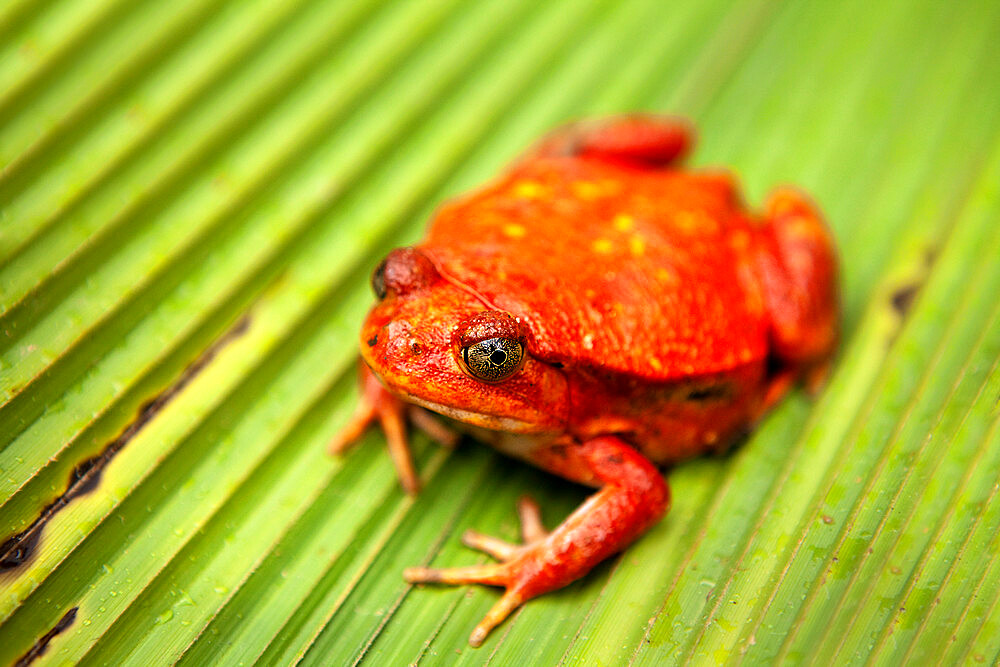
{"x":492,"y":422}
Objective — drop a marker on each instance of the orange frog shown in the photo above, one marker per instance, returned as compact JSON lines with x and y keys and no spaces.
{"x":596,"y":311}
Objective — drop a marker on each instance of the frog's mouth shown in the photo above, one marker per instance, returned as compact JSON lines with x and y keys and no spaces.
{"x":480,"y":419}
{"x":492,"y":422}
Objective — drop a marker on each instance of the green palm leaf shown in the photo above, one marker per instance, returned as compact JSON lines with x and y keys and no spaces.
{"x":194,"y":192}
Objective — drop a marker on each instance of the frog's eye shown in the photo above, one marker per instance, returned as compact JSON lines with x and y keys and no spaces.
{"x":493,"y":359}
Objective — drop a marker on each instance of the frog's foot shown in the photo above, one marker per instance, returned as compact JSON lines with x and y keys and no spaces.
{"x":641,"y":139}
{"x":512,"y":557}
{"x":633,"y":497}
{"x":377,"y":404}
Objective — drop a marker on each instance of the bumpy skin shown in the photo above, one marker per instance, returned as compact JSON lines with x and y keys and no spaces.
{"x":659,"y":319}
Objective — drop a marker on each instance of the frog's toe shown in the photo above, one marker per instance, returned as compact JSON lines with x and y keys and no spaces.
{"x":491,"y":575}
{"x":432,"y":427}
{"x":377,"y":404}
{"x":532,"y":529}
{"x":392,"y":418}
{"x":516,"y":571}
{"x":394,"y":426}
{"x":363,"y":417}
{"x":532,"y":532}
{"x":508,"y":602}
{"x":491,"y":545}
{"x":497,"y":574}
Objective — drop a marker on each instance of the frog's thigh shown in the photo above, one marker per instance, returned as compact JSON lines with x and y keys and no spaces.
{"x":798,"y":268}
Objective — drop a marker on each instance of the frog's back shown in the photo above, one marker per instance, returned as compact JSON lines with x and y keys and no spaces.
{"x":643,"y":272}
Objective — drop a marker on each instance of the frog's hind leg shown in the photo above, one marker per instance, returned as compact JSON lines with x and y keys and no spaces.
{"x":798,"y":270}
{"x":641,"y":139}
{"x":632,"y":498}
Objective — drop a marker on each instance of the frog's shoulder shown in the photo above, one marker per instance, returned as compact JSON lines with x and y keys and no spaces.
{"x":636,"y":271}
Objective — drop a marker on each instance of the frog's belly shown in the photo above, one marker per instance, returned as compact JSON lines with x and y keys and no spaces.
{"x":665,"y":424}
{"x":669,"y":422}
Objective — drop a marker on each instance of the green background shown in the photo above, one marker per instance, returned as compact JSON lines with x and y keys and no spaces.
{"x":192,"y":196}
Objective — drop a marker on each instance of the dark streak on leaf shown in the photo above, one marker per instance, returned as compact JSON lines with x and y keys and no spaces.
{"x":42,"y":645}
{"x":930,"y":257}
{"x":18,"y":548}
{"x":903,"y":297}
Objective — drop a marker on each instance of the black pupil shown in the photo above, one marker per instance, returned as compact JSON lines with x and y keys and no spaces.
{"x":498,"y":357}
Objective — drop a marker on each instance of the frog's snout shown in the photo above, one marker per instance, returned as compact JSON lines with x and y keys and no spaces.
{"x":397,"y":345}
{"x":402,"y":271}
{"x":400,"y":341}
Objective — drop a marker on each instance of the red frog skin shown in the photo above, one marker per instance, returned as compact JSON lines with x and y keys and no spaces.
{"x":597,"y":311}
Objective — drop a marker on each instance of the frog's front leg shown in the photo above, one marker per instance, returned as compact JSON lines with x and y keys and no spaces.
{"x":378,"y":404}
{"x":632,"y":497}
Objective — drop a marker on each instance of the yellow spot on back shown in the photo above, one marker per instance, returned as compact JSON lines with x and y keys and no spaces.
{"x":610,"y":186}
{"x":529,"y":189}
{"x":636,"y":245}
{"x":655,"y":363}
{"x":686,"y":221}
{"x":623,"y":223}
{"x":603,"y":246}
{"x":514,"y":231}
{"x":690,"y":221}
{"x":667,"y":277}
{"x":740,"y":240}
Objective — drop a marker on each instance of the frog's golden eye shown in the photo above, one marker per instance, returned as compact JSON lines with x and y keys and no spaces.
{"x":493,"y":359}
